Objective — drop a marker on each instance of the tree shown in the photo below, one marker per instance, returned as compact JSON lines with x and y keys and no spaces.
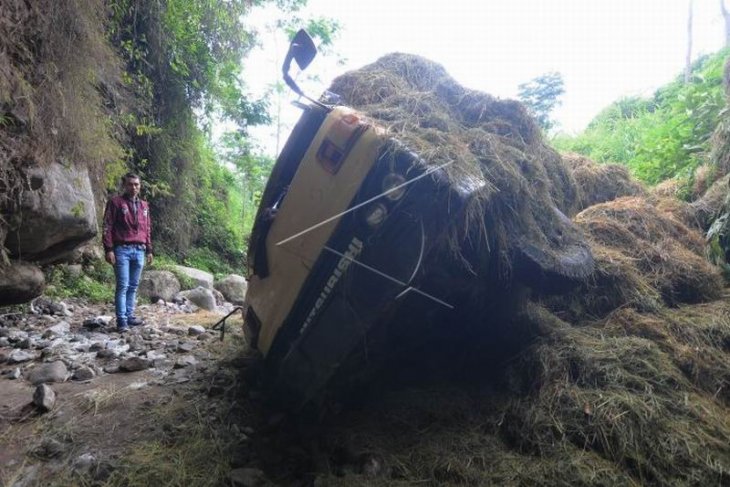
{"x":726,"y":16}
{"x":688,"y":59}
{"x":541,"y":95}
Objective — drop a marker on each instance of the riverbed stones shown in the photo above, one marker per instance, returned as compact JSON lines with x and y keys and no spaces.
{"x":48,"y":372}
{"x":20,"y":356}
{"x":134,"y":364}
{"x":156,"y":285}
{"x":233,"y":287}
{"x":20,"y":282}
{"x":200,"y":278}
{"x":44,"y":398}
{"x":200,"y":297}
{"x":83,"y":373}
{"x":196,"y":330}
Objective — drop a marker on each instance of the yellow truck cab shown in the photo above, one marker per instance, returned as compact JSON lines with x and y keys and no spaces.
{"x":341,"y":238}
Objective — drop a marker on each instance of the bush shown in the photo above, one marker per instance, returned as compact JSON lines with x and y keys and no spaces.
{"x":96,"y":285}
{"x":662,"y":137}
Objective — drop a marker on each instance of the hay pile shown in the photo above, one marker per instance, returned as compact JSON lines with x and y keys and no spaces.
{"x":707,"y":207}
{"x":644,"y":259}
{"x":484,"y":139}
{"x":619,"y":382}
{"x":598,"y":183}
{"x":634,"y":399}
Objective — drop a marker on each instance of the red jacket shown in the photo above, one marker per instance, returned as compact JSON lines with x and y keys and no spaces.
{"x":122,"y":227}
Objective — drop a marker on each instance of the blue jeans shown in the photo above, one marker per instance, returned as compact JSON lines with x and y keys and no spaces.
{"x":128,"y":268}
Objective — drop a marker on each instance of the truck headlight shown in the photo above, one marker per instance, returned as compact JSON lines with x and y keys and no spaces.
{"x":393,"y":180}
{"x":376,"y":215}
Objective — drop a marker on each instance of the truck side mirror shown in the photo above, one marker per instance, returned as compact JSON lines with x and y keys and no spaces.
{"x":303,"y":51}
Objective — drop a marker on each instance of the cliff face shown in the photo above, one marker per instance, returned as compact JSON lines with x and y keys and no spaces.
{"x":58,"y":137}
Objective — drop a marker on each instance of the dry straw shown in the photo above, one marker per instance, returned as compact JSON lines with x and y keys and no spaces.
{"x":484,"y":139}
{"x":622,"y":381}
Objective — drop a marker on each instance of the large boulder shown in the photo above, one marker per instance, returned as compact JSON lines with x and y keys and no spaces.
{"x":200,"y":297}
{"x":20,"y":282}
{"x":233,"y":287}
{"x":156,"y":285}
{"x":199,"y":278}
{"x":57,"y":214}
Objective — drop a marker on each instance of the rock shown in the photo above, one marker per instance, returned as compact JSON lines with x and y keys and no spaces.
{"x":44,"y":398}
{"x":75,"y":270}
{"x":20,"y":282}
{"x":248,"y":477}
{"x":84,"y":463}
{"x":96,"y":346}
{"x":185,"y":361}
{"x":156,"y":285}
{"x":205,"y":336}
{"x":45,"y":306}
{"x":86,"y":254}
{"x":19,"y":356}
{"x":50,"y":372}
{"x":107,"y":353}
{"x":25,"y":343}
{"x":133,"y":364}
{"x":4,"y":342}
{"x":185,"y":347}
{"x":49,"y":448}
{"x":219,"y":299}
{"x":233,"y":287}
{"x":111,"y":368}
{"x":199,"y":278}
{"x":97,"y":322}
{"x":58,"y":211}
{"x":83,"y":373}
{"x":59,"y":329}
{"x":155,"y":355}
{"x":14,"y":374}
{"x":200,"y":297}
{"x":16,"y":336}
{"x":196,"y":330}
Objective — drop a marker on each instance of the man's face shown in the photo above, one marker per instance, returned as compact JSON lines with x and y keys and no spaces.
{"x":131,"y":187}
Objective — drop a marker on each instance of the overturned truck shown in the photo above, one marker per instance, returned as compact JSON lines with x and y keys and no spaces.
{"x":395,"y":213}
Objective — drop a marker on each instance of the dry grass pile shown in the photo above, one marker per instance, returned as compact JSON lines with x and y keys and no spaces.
{"x":707,"y":207}
{"x":647,"y":392}
{"x":645,"y":258}
{"x":598,"y":183}
{"x":485,"y":140}
{"x":633,"y":399}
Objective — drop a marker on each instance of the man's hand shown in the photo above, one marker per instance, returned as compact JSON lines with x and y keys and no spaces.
{"x":150,"y":258}
{"x":109,"y":257}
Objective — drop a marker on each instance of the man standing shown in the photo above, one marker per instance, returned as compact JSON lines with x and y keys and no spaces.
{"x":127,"y":239}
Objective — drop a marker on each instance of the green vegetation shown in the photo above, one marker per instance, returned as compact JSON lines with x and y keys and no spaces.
{"x":665,"y":136}
{"x":96,"y":283}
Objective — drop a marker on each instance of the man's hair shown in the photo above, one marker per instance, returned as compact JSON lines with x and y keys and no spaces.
{"x":128,"y":176}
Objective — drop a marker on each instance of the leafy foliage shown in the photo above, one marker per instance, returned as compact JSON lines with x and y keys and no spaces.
{"x":541,"y":95}
{"x":96,"y":284}
{"x":660,"y":137}
{"x":183,"y":63}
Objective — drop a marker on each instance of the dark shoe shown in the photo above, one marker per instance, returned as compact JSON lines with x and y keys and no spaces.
{"x":135,"y":321}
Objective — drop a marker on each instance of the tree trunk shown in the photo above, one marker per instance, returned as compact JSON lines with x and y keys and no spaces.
{"x":688,"y":59}
{"x":726,"y":16}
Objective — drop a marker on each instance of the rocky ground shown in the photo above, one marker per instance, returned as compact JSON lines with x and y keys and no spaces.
{"x":164,"y":404}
